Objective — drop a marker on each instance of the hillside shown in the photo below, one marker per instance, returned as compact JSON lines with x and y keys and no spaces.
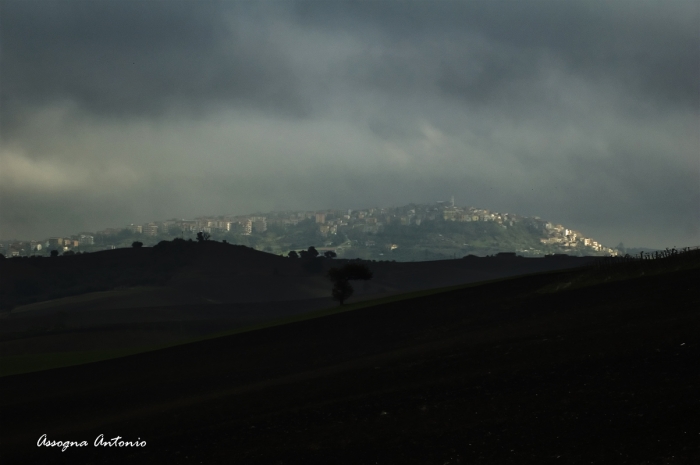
{"x":101,"y":305}
{"x":215,"y":272}
{"x":524,"y":370}
{"x":408,"y":233}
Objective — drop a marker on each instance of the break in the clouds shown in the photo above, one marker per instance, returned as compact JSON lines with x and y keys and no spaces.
{"x":585,"y":113}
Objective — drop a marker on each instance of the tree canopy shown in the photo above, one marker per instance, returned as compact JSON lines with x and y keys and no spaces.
{"x":311,"y":252}
{"x":341,"y":277}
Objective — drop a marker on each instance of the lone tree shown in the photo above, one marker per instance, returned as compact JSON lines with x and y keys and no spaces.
{"x":341,"y":277}
{"x":203,"y":236}
{"x":137,"y":244}
{"x":329,"y":254}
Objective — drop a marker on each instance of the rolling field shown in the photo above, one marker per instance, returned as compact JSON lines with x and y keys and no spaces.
{"x":513,"y":371}
{"x":207,"y":290}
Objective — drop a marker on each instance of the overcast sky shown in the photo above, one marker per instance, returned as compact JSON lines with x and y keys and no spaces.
{"x":584,"y":113}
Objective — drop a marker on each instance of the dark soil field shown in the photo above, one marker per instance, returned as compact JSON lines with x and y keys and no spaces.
{"x":98,"y":305}
{"x":509,"y":372}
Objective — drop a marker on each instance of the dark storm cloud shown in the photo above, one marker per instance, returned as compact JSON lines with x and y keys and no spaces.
{"x":142,"y":58}
{"x":131,"y":58}
{"x":653,"y":46}
{"x":584,"y":112}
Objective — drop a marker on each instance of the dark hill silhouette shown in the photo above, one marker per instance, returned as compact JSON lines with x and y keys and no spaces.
{"x":506,"y":372}
{"x":141,"y":298}
{"x":178,"y":290}
{"x":35,"y":279}
{"x":225,"y":273}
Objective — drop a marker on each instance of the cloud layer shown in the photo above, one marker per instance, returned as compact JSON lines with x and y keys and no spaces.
{"x":584,"y":112}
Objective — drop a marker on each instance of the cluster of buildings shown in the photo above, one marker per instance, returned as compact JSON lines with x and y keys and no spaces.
{"x":333,"y":222}
{"x":329,"y":223}
{"x":61,"y":244}
{"x":239,"y":225}
{"x":568,"y":238}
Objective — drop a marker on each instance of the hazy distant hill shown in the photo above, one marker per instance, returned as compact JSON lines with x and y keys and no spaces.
{"x":409,"y":233}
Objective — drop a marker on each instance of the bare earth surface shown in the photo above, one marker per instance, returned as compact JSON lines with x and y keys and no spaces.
{"x":222,"y":289}
{"x":494,"y":374}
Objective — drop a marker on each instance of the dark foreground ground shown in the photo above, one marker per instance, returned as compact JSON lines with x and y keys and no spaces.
{"x":220,"y":287}
{"x":494,"y":374}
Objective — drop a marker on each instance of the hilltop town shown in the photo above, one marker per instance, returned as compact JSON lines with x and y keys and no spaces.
{"x":412,"y":232}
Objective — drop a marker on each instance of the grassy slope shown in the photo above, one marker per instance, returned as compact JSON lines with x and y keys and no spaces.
{"x":498,"y":373}
{"x":223,"y":273}
{"x":101,"y":325}
{"x":28,"y":363}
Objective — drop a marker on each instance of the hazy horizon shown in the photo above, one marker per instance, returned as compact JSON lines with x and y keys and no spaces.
{"x":584,"y":113}
{"x":214,"y":215}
